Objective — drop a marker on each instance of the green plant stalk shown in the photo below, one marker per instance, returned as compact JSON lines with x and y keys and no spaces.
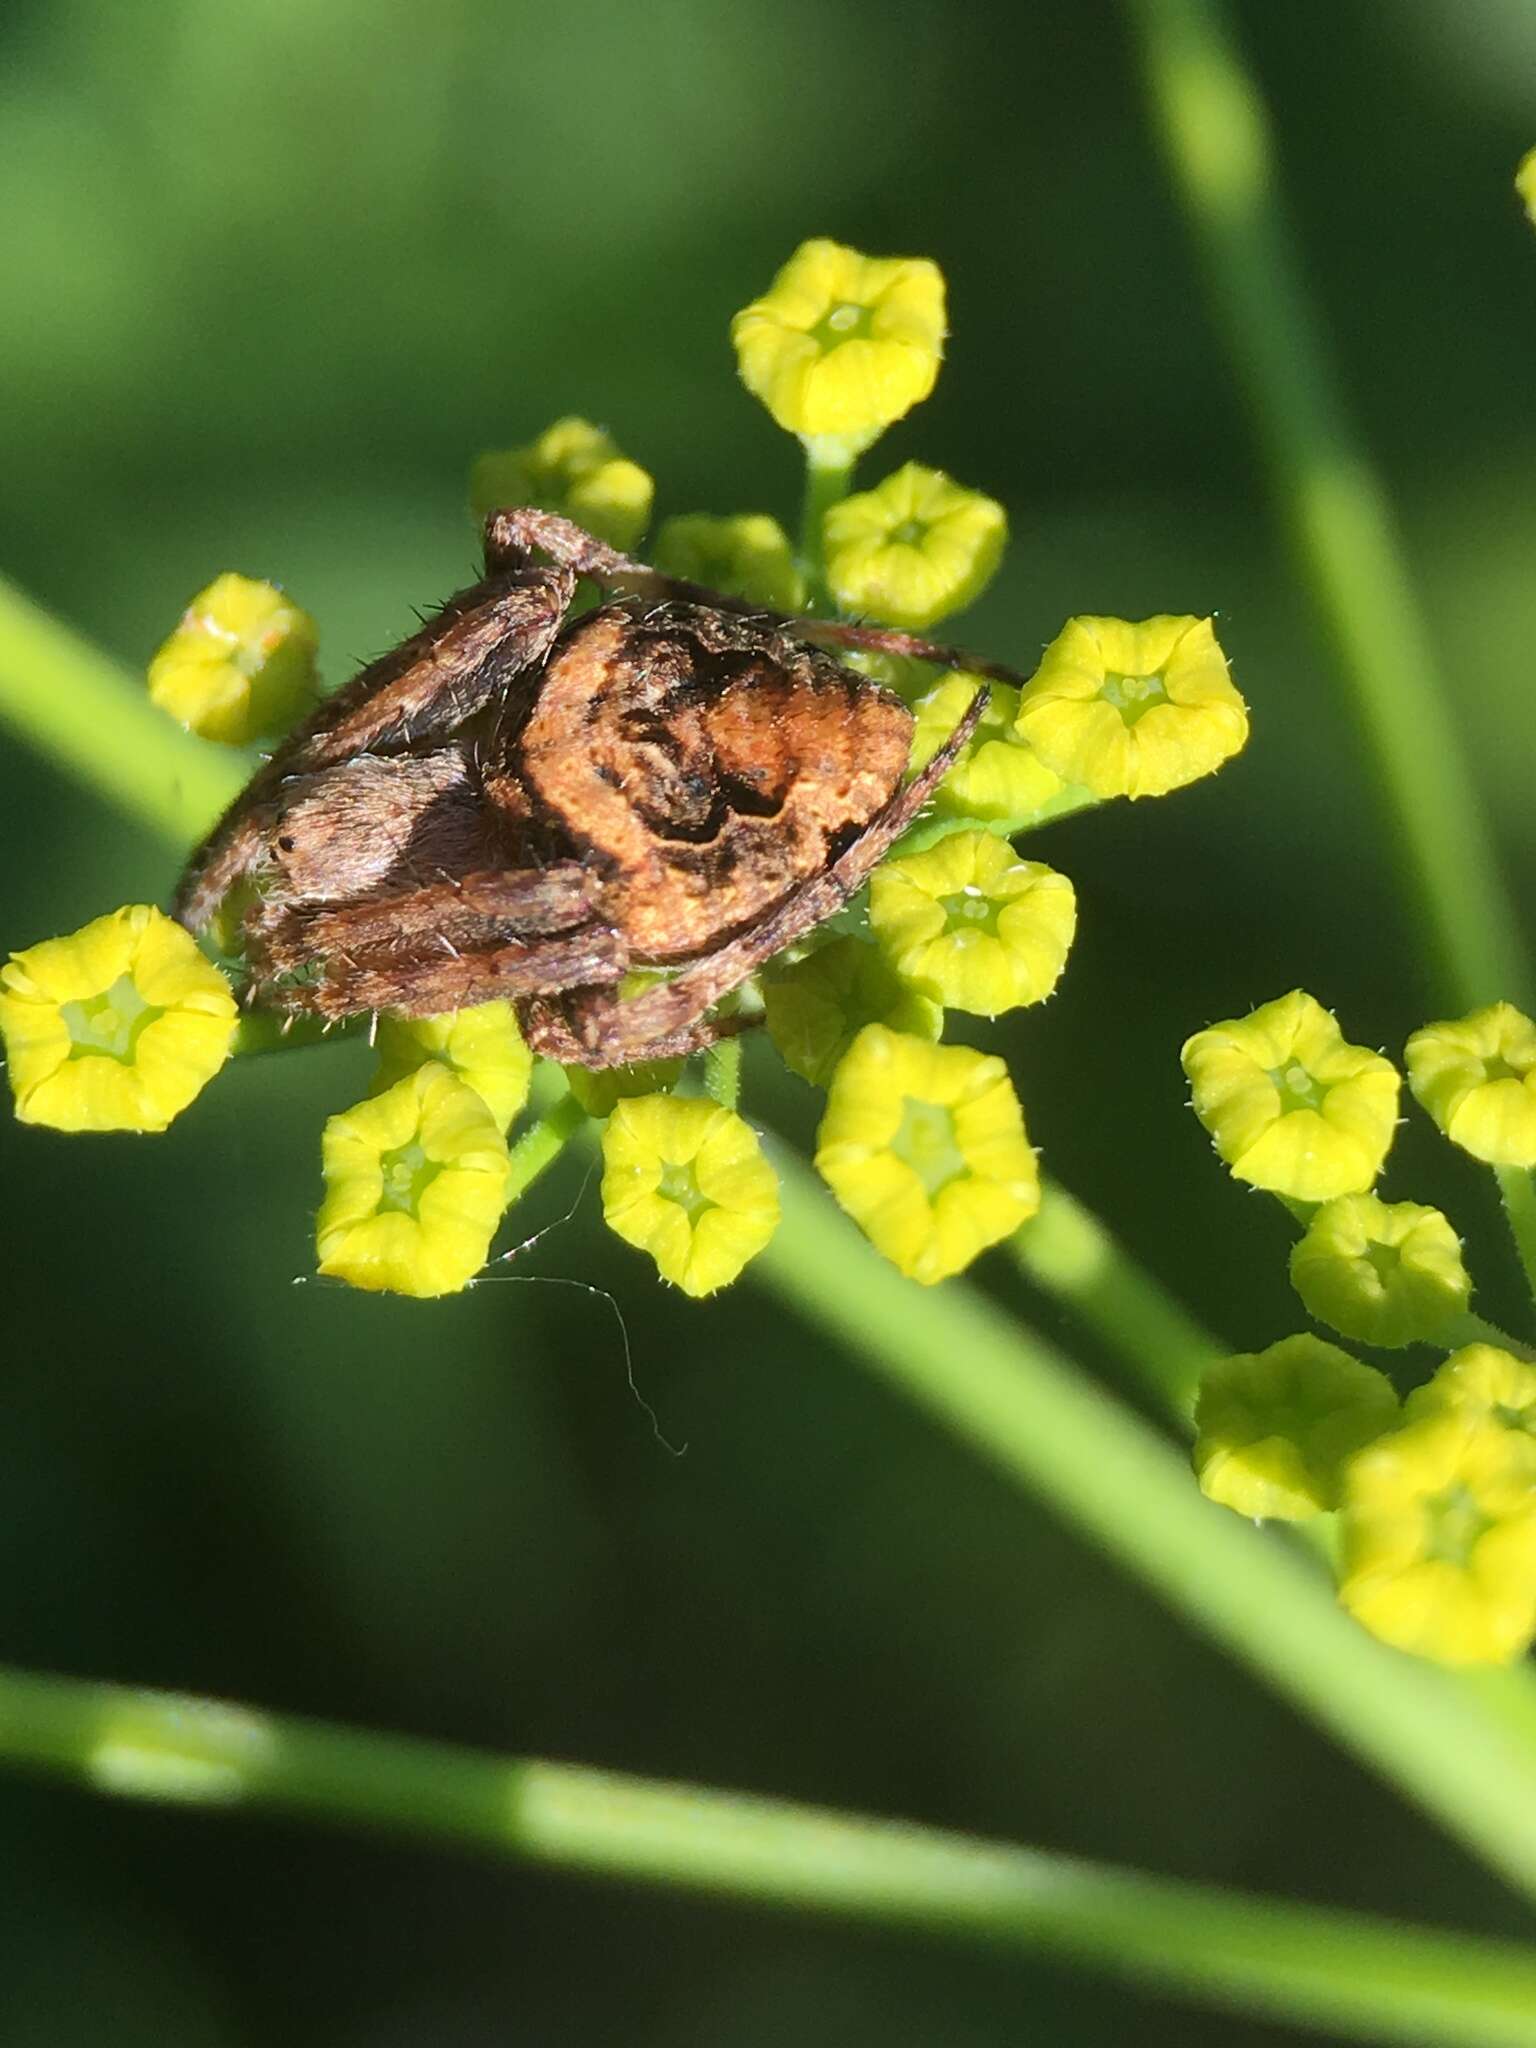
{"x":542,"y":1144}
{"x":77,"y":707}
{"x":1013,"y":1397}
{"x":722,"y":1072}
{"x":1367,"y":1978}
{"x":828,"y":474}
{"x":1517,"y":1192}
{"x":1215,"y":134}
{"x":1067,"y":1252}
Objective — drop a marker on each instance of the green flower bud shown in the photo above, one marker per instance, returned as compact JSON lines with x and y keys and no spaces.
{"x":748,"y":556}
{"x":1275,"y":1428}
{"x":815,"y":1007}
{"x":575,"y":469}
{"x":971,"y":925}
{"x":1477,"y":1079}
{"x":240,"y":666}
{"x":1384,"y":1273}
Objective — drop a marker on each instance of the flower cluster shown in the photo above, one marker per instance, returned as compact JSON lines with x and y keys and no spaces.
{"x":922,"y":1142}
{"x":1435,"y":1495}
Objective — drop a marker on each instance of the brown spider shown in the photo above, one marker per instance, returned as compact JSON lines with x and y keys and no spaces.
{"x":512,"y":805}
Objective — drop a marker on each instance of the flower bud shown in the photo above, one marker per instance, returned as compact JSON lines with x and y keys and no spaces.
{"x":748,"y":556}
{"x":1274,"y":1428}
{"x":914,"y":549}
{"x":1289,"y":1105}
{"x":924,"y":1146}
{"x":686,"y":1181}
{"x":241,"y":664}
{"x":842,"y":344}
{"x":815,"y":1007}
{"x":997,"y":777}
{"x":971,"y":925}
{"x":1483,"y":1382}
{"x":1384,"y":1273}
{"x":116,"y":1027}
{"x":1477,"y":1078}
{"x":1133,"y":710}
{"x":575,"y":469}
{"x":481,"y":1045}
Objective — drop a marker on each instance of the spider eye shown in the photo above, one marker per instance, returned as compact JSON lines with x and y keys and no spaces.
{"x":286,"y":842}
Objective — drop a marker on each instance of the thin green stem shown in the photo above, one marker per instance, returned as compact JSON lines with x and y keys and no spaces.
{"x":722,"y":1072}
{"x":1517,"y":1192}
{"x":828,"y":473}
{"x":542,"y":1144}
{"x":1067,"y":1251}
{"x":1473,"y":1329}
{"x":1215,"y":134}
{"x":1369,"y":1979}
{"x":1013,"y":1397}
{"x":76,"y":706}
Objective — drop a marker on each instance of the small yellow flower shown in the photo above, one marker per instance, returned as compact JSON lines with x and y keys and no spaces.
{"x":1525,"y":184}
{"x":914,"y":549}
{"x":686,"y":1181}
{"x":240,"y":666}
{"x":575,"y":469}
{"x":748,"y":556}
{"x":1289,"y":1106}
{"x":843,"y":344}
{"x":1483,"y":1382}
{"x":971,"y":925}
{"x":924,"y":1146}
{"x":482,"y":1045}
{"x":817,"y":1006}
{"x":1133,"y":710}
{"x":116,"y":1027}
{"x":415,"y":1185}
{"x":997,"y":776}
{"x":1274,"y":1428}
{"x":1385,"y":1273}
{"x":598,"y":1089}
{"x":1476,"y":1077}
{"x":1438,"y":1539}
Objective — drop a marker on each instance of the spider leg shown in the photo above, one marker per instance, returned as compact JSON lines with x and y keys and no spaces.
{"x":436,"y":948}
{"x":422,"y":691}
{"x":609,"y":1032}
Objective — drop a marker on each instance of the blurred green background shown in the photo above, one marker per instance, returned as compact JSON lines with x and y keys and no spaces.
{"x":272,"y":274}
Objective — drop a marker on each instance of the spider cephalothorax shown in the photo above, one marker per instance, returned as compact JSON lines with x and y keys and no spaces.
{"x":512,"y":805}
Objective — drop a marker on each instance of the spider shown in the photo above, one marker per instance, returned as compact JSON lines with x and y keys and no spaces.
{"x":515,"y":805}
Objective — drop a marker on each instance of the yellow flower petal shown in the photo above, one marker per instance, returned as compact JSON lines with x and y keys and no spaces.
{"x":1274,"y":1428}
{"x":117,"y":1027}
{"x":997,"y":777}
{"x":817,"y":1006}
{"x":842,"y":344}
{"x":1476,"y":1076}
{"x":1133,"y":709}
{"x":1289,"y":1105}
{"x":914,"y":549}
{"x":971,"y":925}
{"x":686,"y":1181}
{"x":1383,"y":1273}
{"x":241,"y":664}
{"x":482,"y":1045}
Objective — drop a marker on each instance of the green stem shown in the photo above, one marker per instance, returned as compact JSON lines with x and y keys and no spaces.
{"x":542,"y":1144}
{"x":1215,"y":134}
{"x":1473,"y":1329}
{"x":1517,"y":1192}
{"x":1370,"y":1979}
{"x":828,"y":473}
{"x":1066,"y":1251}
{"x":76,"y":706}
{"x":722,"y":1072}
{"x":1018,"y":1401}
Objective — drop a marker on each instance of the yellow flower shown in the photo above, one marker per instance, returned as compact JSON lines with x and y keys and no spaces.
{"x":1438,"y":1539}
{"x":1289,"y":1106}
{"x":817,"y":1006}
{"x":747,"y":556}
{"x":686,"y":1181}
{"x":1274,"y":1428}
{"x":1482,"y":1382}
{"x":116,"y":1027}
{"x":843,"y":344}
{"x":971,"y":925}
{"x":997,"y":777}
{"x":1477,"y":1079}
{"x":1133,"y":710}
{"x":482,"y":1045}
{"x":1386,"y":1273}
{"x":598,"y":1089}
{"x":240,"y":666}
{"x":914,"y":549}
{"x":575,"y":469}
{"x":924,"y":1146}
{"x":415,"y":1185}
{"x":1525,"y":184}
